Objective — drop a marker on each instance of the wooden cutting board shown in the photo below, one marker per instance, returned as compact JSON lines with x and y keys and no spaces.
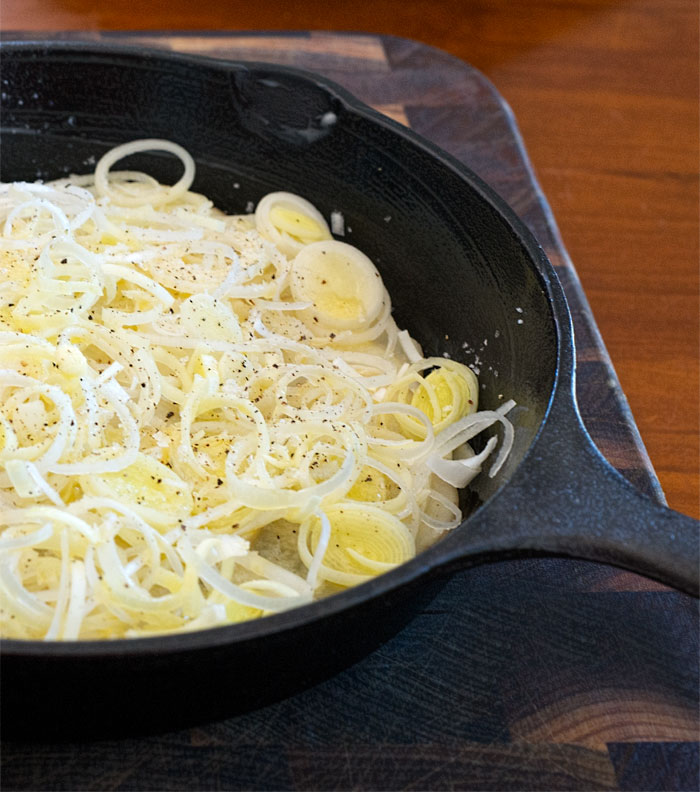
{"x":542,"y":674}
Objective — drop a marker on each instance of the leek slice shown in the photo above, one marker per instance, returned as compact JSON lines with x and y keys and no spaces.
{"x":364,"y":541}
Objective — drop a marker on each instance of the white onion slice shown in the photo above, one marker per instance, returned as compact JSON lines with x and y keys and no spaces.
{"x":152,"y":144}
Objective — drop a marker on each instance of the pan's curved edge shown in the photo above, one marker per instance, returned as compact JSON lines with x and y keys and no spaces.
{"x":424,"y":562}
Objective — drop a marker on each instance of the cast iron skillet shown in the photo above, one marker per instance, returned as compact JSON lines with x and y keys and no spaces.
{"x":460,"y":267}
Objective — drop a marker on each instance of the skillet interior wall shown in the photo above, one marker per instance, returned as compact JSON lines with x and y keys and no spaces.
{"x":460,"y":279}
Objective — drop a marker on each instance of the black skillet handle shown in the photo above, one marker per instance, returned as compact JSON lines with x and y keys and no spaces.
{"x":566,"y":499}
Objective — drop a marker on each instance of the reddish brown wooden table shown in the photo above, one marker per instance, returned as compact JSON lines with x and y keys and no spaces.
{"x":541,"y":674}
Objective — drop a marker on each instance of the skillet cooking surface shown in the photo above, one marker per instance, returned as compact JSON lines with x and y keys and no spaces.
{"x":459,"y":266}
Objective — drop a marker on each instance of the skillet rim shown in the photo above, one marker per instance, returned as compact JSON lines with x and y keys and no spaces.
{"x":420,"y":565}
